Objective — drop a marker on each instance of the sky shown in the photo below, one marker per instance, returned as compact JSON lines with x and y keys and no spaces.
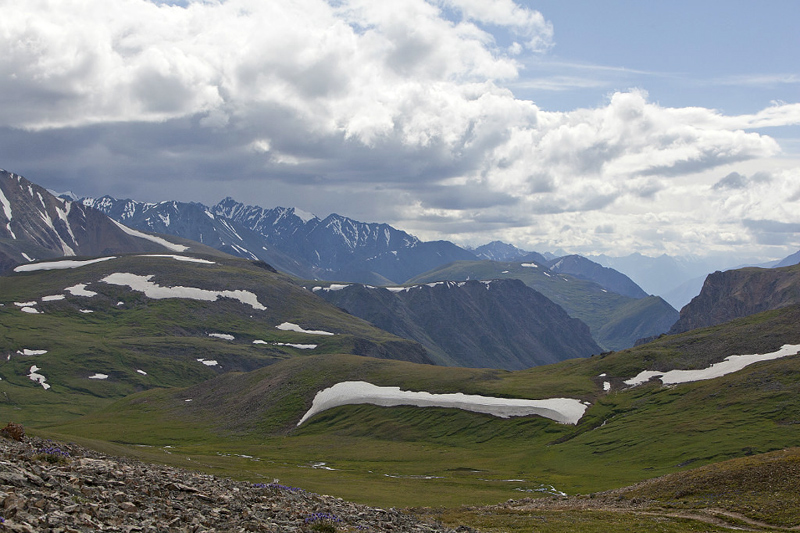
{"x":591,"y":127}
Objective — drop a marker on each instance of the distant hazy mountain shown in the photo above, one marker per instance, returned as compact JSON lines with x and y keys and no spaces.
{"x":478,"y":324}
{"x":740,"y":293}
{"x":499,"y":251}
{"x":789,"y":261}
{"x":676,"y":279}
{"x":35,"y":225}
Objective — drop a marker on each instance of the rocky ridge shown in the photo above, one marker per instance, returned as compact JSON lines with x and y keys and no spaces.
{"x":57,"y":487}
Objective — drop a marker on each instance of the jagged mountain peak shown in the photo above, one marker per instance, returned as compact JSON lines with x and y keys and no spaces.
{"x":499,"y":251}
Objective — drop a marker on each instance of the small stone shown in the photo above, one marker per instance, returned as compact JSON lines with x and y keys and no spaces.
{"x":128,"y":507}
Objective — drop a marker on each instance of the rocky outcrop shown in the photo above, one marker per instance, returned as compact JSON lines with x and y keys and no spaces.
{"x":48,"y":486}
{"x":36,"y":225}
{"x":740,"y":293}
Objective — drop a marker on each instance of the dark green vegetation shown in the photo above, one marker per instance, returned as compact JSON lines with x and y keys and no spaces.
{"x":436,"y":457}
{"x":242,"y":423}
{"x":141,"y":343}
{"x":616,"y":321}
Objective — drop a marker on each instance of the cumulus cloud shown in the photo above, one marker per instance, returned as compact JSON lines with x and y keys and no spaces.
{"x":402,"y":102}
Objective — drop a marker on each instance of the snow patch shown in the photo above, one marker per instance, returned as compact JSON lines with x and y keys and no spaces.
{"x":24,"y":304}
{"x":606,"y":386}
{"x":305,"y":216}
{"x":397,"y":289}
{"x":53,"y":298}
{"x":732,"y":363}
{"x":157,"y":292}
{"x":331,"y":287}
{"x":60,"y":265}
{"x":31,"y":310}
{"x":38,"y":378}
{"x":26,"y":351}
{"x":27,"y":257}
{"x":288,"y":326}
{"x":86,"y":311}
{"x":208,"y":362}
{"x":562,"y":410}
{"x":7,"y":210}
{"x":97,"y":375}
{"x":527,"y":265}
{"x":80,"y":290}
{"x":142,"y":372}
{"x":298,"y":346}
{"x":152,"y":238}
{"x":224,"y":336}
{"x":182,"y":258}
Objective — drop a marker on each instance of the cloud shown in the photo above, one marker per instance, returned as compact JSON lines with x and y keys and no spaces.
{"x":398,"y":105}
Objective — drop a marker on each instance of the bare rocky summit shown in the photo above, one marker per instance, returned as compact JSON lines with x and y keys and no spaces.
{"x":48,"y":486}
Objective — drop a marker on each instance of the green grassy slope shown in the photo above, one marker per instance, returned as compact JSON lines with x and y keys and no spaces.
{"x":615,"y":321}
{"x":440,"y":456}
{"x":142,"y":343}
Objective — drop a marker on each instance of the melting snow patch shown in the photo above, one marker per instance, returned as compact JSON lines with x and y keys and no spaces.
{"x":158,"y":240}
{"x":606,"y":385}
{"x":38,"y":378}
{"x":60,"y":265}
{"x":732,"y":363}
{"x":332,"y":287}
{"x":53,"y":298}
{"x":157,"y":292}
{"x":208,"y":362}
{"x":288,"y":326}
{"x":397,"y":289}
{"x":223,"y":336}
{"x":298,"y":346}
{"x":97,"y":375}
{"x":562,"y":410}
{"x":26,"y":351}
{"x":182,"y":258}
{"x":80,"y":290}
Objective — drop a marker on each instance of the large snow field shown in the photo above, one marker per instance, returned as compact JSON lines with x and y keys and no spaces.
{"x":732,"y":363}
{"x":73,"y":263}
{"x":157,"y":292}
{"x":562,"y":410}
{"x":60,"y":265}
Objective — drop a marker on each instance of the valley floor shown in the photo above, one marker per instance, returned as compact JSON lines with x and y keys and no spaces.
{"x":52,"y":486}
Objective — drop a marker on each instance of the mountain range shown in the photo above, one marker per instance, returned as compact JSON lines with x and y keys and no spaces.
{"x":169,"y":348}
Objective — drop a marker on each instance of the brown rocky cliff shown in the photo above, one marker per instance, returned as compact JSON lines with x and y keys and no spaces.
{"x":739,"y":293}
